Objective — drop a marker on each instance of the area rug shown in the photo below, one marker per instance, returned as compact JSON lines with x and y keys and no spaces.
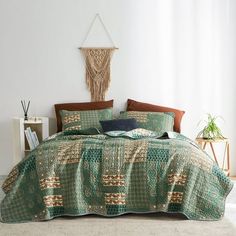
{"x":128,"y":225}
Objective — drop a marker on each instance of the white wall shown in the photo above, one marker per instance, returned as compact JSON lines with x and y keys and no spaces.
{"x":175,"y":53}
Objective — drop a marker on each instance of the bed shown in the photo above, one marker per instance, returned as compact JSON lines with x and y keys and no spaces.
{"x":83,"y":171}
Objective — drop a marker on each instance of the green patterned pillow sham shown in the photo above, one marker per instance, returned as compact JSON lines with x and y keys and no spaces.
{"x":155,"y":121}
{"x":80,"y":120}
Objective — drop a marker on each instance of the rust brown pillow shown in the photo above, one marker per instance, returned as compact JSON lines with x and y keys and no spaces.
{"x":79,"y":107}
{"x":133,"y":105}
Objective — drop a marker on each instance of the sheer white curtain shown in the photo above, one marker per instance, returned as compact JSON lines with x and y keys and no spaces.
{"x":185,"y":52}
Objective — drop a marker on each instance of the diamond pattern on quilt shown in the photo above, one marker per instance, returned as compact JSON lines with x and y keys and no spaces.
{"x":50,"y":182}
{"x":113,"y":157}
{"x":175,"y":197}
{"x":53,"y":200}
{"x":115,"y":198}
{"x":11,"y":178}
{"x":177,"y":179}
{"x":136,"y":151}
{"x":69,"y":153}
{"x":138,"y":194}
{"x":113,"y":180}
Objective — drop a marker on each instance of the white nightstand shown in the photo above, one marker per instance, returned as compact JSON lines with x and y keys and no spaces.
{"x":21,"y":146}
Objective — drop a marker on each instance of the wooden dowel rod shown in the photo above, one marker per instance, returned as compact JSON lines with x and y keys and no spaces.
{"x":99,"y":47}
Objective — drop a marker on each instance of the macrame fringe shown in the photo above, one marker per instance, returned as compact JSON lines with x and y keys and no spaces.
{"x":97,"y":62}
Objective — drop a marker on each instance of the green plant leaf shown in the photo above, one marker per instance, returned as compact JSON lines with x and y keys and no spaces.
{"x":210,"y":130}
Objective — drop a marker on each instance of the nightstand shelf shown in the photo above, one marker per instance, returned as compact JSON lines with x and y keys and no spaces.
{"x":226,"y":164}
{"x":21,"y":146}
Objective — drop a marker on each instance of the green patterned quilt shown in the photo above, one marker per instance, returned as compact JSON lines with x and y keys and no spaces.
{"x":114,"y":174}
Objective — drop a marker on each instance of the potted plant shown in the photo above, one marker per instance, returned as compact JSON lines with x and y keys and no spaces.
{"x":211,"y":129}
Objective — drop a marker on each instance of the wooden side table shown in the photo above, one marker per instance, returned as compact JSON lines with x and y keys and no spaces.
{"x":203,"y":143}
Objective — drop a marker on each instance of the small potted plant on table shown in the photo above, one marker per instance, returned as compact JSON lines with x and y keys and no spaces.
{"x":211,"y":129}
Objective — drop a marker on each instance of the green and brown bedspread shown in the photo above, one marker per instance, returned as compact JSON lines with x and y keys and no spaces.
{"x":115,"y":174}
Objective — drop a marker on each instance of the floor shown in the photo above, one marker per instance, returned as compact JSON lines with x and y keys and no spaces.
{"x":126,"y":225}
{"x":230,"y":209}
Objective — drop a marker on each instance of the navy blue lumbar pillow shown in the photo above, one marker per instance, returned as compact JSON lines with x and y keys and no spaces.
{"x":119,"y":124}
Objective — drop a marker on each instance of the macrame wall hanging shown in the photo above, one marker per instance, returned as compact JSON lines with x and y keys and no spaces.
{"x":97,"y":62}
